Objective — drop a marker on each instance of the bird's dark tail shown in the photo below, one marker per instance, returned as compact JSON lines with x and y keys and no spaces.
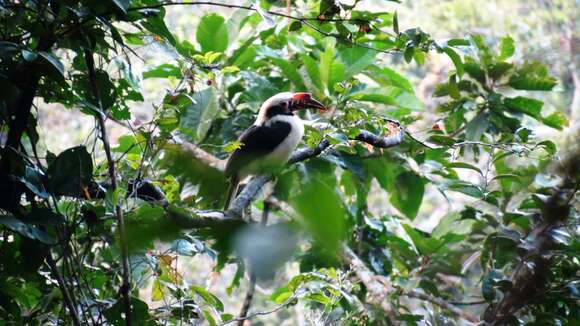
{"x":232,"y":191}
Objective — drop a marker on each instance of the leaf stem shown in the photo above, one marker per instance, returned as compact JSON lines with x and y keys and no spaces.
{"x":100,"y":115}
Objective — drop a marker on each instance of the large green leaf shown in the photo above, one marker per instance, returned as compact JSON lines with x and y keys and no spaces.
{"x":355,"y":59}
{"x":532,"y":76}
{"x":27,"y":230}
{"x":70,"y":172}
{"x":312,"y":70}
{"x":164,"y":70}
{"x":386,"y":76}
{"x":556,"y":120}
{"x":407,"y":193}
{"x":526,"y":105}
{"x":507,"y":48}
{"x":476,"y":127}
{"x":289,"y":70}
{"x":198,"y":115}
{"x":212,"y":33}
{"x":455,"y":58}
{"x":139,"y":313}
{"x":331,"y":70}
{"x":156,"y":25}
{"x":388,"y":95}
{"x":322,"y":211}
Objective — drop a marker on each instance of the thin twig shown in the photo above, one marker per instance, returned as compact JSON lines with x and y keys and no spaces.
{"x":286,"y":303}
{"x":380,"y":290}
{"x":100,"y":115}
{"x":252,"y":284}
{"x":304,"y":20}
{"x":63,"y":288}
{"x":443,"y":304}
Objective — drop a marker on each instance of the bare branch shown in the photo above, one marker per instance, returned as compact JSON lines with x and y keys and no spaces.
{"x":379,"y":289}
{"x":252,"y":284}
{"x":200,"y":155}
{"x":443,"y":304}
{"x":66,"y":295}
{"x":100,"y":115}
{"x":529,"y":278}
{"x":286,"y":303}
{"x":307,"y":21}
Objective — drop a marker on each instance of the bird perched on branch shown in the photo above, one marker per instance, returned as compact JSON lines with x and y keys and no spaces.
{"x":267,"y":145}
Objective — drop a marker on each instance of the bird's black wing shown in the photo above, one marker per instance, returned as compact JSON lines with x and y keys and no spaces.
{"x":256,"y":141}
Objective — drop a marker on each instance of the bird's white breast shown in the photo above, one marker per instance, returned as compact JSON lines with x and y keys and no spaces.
{"x":283,"y":151}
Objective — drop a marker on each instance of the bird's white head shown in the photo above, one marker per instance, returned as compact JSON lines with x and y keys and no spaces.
{"x":287,"y":103}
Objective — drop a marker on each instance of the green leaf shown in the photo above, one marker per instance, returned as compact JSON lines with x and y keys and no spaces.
{"x":209,"y":298}
{"x":212,"y":33}
{"x":294,"y":26}
{"x":549,"y":146}
{"x":289,"y":70}
{"x":56,"y":66}
{"x":466,"y":188}
{"x":281,"y":295}
{"x":532,"y":76}
{"x":442,"y":140}
{"x":452,"y":224}
{"x":33,"y":180}
{"x":408,"y":54}
{"x":164,"y":70}
{"x":157,"y":290}
{"x":70,"y":172}
{"x":475,"y":71}
{"x":476,"y":127}
{"x":407,"y":193}
{"x":396,"y":23}
{"x":556,"y":120}
{"x":156,"y":25}
{"x":355,"y":59}
{"x":139,"y":312}
{"x":507,"y":176}
{"x":499,"y":69}
{"x":122,"y":4}
{"x":331,"y":71}
{"x":458,"y":42}
{"x":311,"y":68}
{"x":29,"y":231}
{"x":44,"y":216}
{"x":506,"y":48}
{"x":463,"y":165}
{"x":388,"y":95}
{"x":198,"y":114}
{"x":526,"y":105}
{"x":325,"y":216}
{"x":390,"y":77}
{"x":455,"y":58}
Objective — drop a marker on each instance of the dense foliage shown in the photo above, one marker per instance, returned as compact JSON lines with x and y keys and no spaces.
{"x":85,"y":230}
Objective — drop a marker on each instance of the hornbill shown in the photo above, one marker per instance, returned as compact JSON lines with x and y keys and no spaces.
{"x":267,"y":145}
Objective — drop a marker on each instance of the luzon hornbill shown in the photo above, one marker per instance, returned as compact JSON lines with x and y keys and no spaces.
{"x":267,"y":145}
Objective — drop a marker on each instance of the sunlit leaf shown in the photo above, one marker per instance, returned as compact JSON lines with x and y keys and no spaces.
{"x":212,"y":33}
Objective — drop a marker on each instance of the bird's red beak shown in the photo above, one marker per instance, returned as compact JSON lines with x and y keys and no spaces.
{"x":304,"y":101}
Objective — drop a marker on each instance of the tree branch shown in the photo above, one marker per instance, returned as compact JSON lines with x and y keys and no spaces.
{"x":252,"y":284}
{"x":379,"y":289}
{"x":443,"y":304}
{"x":100,"y":115}
{"x":200,"y":154}
{"x":529,"y":277}
{"x":63,"y":288}
{"x":304,"y":20}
